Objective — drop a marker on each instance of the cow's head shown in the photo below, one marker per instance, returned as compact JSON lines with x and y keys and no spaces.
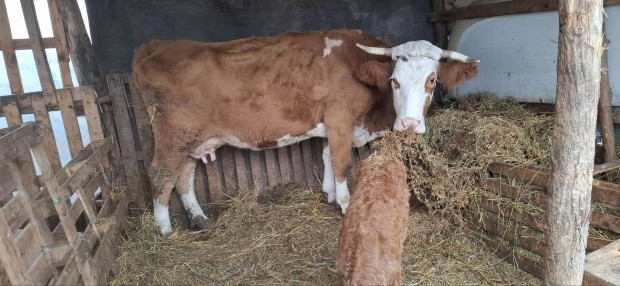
{"x":414,"y":77}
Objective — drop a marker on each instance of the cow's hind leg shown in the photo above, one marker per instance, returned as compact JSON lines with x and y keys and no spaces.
{"x":185,"y":187}
{"x":340,"y":139}
{"x":329,"y":180}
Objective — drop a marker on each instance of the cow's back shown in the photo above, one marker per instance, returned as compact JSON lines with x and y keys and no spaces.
{"x":375,"y":226}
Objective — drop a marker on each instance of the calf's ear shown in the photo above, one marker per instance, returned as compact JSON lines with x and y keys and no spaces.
{"x":375,"y":74}
{"x":452,"y":73}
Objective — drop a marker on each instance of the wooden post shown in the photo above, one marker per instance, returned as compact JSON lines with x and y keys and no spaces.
{"x":86,"y":68}
{"x":605,"y":116}
{"x":572,"y":155}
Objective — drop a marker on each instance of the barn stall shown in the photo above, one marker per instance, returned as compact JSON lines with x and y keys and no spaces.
{"x":489,"y":195}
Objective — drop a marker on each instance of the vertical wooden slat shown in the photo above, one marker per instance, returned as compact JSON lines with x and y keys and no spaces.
{"x":271,"y":163}
{"x":61,"y":44}
{"x":13,"y":118}
{"x":216,"y":189}
{"x":200,"y":183}
{"x":90,"y":213}
{"x":91,"y":111}
{"x":40,"y":58}
{"x":229,"y":172}
{"x":306,"y":151}
{"x":142,"y":122}
{"x":283,"y":161}
{"x":317,"y":152}
{"x":69,"y":119}
{"x":14,"y":264}
{"x":298,"y":163}
{"x":49,"y":143}
{"x":605,"y":116}
{"x":126,"y":141}
{"x":8,"y":52}
{"x":244,"y":172}
{"x":259,"y":177}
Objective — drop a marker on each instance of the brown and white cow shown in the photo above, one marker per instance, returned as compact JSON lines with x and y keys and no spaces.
{"x":258,"y":93}
{"x":373,"y":232}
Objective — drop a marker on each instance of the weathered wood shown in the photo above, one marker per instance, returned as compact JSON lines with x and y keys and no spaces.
{"x":7,"y":184}
{"x":15,"y":214}
{"x":509,"y":211}
{"x":595,"y":243}
{"x":24,"y":44}
{"x":8,"y":51}
{"x":605,"y":117}
{"x":605,"y":221}
{"x":69,"y":119}
{"x":606,"y":167}
{"x":499,"y":9}
{"x":41,"y":270}
{"x":49,"y":142}
{"x":27,"y":243}
{"x":441,"y":29}
{"x":228,"y":167}
{"x":244,"y":172}
{"x":272,"y":173}
{"x":601,"y":266}
{"x":259,"y":174}
{"x":298,"y":164}
{"x":126,"y":141}
{"x":61,"y":44}
{"x":24,"y":136}
{"x":286,"y":172}
{"x":40,"y":58}
{"x":216,"y":187}
{"x":570,"y":182}
{"x":142,"y":122}
{"x":507,"y":254}
{"x":306,"y":151}
{"x":10,"y":256}
{"x":23,"y":101}
{"x":601,"y":191}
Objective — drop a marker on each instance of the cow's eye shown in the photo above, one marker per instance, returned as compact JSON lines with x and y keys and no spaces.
{"x":432,"y":80}
{"x":395,"y":83}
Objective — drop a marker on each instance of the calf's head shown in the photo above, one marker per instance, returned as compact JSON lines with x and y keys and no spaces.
{"x":414,"y":76}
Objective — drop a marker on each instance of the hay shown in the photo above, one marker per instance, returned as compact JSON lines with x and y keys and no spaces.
{"x":288,"y":236}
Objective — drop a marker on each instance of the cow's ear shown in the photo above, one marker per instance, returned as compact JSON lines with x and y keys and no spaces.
{"x":453,"y":73}
{"x":375,"y":74}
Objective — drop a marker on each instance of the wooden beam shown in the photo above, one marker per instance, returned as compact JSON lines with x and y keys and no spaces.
{"x":25,"y":44}
{"x":7,"y":47}
{"x":570,"y":183}
{"x":605,"y":117}
{"x":62,"y":50}
{"x":602,"y":168}
{"x":499,"y":9}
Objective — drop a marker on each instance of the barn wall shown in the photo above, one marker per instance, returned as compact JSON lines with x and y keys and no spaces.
{"x":119,"y":26}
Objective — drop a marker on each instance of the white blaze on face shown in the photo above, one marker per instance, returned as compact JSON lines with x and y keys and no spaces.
{"x":329,"y":44}
{"x":415,"y":63}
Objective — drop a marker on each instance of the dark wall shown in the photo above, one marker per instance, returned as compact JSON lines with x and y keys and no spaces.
{"x":119,"y":26}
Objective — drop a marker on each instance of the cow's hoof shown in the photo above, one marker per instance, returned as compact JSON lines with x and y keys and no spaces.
{"x":199,"y":222}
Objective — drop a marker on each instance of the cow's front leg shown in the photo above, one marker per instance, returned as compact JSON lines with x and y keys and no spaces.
{"x":329,"y":180}
{"x":340,"y":151}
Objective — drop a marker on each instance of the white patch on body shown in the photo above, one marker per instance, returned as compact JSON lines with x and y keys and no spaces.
{"x":329,"y":179}
{"x":361,"y":136}
{"x":162,"y":217}
{"x":189,"y":200}
{"x":329,"y":44}
{"x":358,"y":31}
{"x":342,"y":195}
{"x":318,"y":131}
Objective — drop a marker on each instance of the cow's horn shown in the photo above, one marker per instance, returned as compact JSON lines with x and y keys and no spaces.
{"x":375,"y":50}
{"x":458,"y":57}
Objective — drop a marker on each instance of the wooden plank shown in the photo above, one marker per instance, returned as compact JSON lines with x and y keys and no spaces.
{"x":259,"y":174}
{"x":602,"y":265}
{"x":7,"y":184}
{"x":23,"y":101}
{"x":142,"y":121}
{"x":49,"y":142}
{"x":604,"y":115}
{"x":509,"y":212}
{"x":306,"y":151}
{"x":62,"y":50}
{"x":595,"y":243}
{"x":298,"y":163}
{"x":8,"y":51}
{"x":41,"y":270}
{"x":271,"y":163}
{"x":601,"y":191}
{"x":91,"y":110}
{"x":201,"y":186}
{"x":243,"y":170}
{"x":319,"y":166}
{"x":606,"y":167}
{"x":19,"y":139}
{"x":90,"y":212}
{"x":11,"y":110}
{"x":286,"y":173}
{"x":69,"y":119}
{"x":518,"y":194}
{"x":40,"y":58}
{"x":126,"y":140}
{"x":441,"y":28}
{"x":229,"y":170}
{"x":499,"y":9}
{"x":15,"y":214}
{"x":507,"y":254}
{"x":27,"y":243}
{"x":605,"y":221}
{"x":25,"y":44}
{"x":216,"y":187}
{"x":58,"y":197}
{"x":10,"y":256}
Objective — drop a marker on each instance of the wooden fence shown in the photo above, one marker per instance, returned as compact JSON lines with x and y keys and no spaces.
{"x":515,"y":216}
{"x":65,"y":233}
{"x":234,"y":170}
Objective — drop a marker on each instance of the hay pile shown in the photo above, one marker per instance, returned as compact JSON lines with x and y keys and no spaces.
{"x":446,"y":164}
{"x":288,"y":236}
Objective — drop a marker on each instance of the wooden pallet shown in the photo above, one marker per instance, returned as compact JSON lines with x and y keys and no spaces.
{"x":34,"y":249}
{"x":517,"y":235}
